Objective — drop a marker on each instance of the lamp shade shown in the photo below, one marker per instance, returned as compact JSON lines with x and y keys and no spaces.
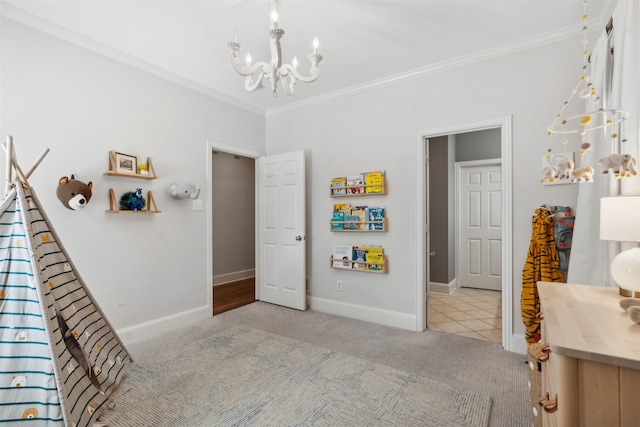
{"x":620,"y":221}
{"x":620,"y":218}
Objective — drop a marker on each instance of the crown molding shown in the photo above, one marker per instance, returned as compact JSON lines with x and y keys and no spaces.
{"x":455,"y":63}
{"x":30,"y":20}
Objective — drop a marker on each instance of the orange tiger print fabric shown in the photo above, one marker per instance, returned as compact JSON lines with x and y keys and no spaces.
{"x":543,"y":264}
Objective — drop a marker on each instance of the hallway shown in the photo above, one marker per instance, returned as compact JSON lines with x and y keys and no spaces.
{"x":468,"y":312}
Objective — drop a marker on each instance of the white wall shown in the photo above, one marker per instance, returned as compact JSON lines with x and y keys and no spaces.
{"x":141,"y":268}
{"x":145,"y":268}
{"x":377,"y":129}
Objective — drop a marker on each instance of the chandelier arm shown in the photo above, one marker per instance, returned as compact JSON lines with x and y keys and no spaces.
{"x":289,"y":85}
{"x":234,"y":61}
{"x":314,"y":72}
{"x":250,"y":85}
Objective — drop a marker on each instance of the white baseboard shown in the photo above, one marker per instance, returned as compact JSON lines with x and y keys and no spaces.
{"x":162,"y":325}
{"x":443,"y":288}
{"x":368,"y":314}
{"x":233,"y":276}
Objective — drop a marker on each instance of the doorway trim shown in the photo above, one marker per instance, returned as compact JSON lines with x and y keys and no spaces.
{"x":212,"y":146}
{"x":505,"y":126}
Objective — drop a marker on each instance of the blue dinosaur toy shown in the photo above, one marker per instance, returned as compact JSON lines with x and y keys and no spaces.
{"x":132,"y":201}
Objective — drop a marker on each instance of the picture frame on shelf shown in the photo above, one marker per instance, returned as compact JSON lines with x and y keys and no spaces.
{"x":126,"y":163}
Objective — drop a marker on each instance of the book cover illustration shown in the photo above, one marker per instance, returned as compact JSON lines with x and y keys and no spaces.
{"x":337,"y":220}
{"x":342,"y":255}
{"x":361,"y":215}
{"x":342,"y":207}
{"x":339,"y":186}
{"x":359,"y":258}
{"x":351,"y":222}
{"x":354,"y":182}
{"x":375,"y":214}
{"x":371,"y":179}
{"x":375,"y":261}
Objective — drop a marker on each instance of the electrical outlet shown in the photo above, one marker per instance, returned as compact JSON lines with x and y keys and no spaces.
{"x":339,"y":285}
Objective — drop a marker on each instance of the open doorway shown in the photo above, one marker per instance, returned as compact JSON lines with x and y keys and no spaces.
{"x":232,"y":227}
{"x":445,"y":284}
{"x":464,"y":265}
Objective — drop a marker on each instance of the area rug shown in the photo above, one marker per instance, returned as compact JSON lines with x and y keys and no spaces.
{"x":246,"y":377}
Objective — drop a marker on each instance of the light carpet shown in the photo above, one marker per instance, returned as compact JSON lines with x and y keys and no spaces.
{"x":246,"y":377}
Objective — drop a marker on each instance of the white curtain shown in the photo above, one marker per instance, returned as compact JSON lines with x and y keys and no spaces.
{"x":617,"y":78}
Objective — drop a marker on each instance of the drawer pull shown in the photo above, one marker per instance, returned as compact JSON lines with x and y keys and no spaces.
{"x":549,"y":405}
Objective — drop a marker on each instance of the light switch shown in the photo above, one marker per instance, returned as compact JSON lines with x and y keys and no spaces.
{"x":197,"y":205}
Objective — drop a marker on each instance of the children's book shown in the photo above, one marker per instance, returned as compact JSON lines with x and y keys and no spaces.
{"x":375,"y":214}
{"x":351,"y":222}
{"x":360,"y":213}
{"x":339,"y":217}
{"x":359,"y":254}
{"x":342,"y":207}
{"x":375,"y":262}
{"x":354,"y":182}
{"x":372,"y":178}
{"x":342,"y":255}
{"x":375,"y":249}
{"x":338,"y":186}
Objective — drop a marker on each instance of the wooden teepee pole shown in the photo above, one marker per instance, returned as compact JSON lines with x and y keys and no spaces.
{"x":8,"y":171}
{"x":12,"y":161}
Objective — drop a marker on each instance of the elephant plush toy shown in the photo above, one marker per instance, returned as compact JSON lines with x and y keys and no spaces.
{"x":582,"y":174}
{"x":622,"y":165}
{"x":565,"y":167}
{"x":550,"y":173}
{"x":184,"y":191}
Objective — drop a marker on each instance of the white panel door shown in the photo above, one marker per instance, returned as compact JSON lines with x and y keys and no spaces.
{"x":480,"y":226}
{"x":281,"y":230}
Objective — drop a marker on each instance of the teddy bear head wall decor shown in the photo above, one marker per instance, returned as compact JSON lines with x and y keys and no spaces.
{"x":74,"y":194}
{"x":184,"y":191}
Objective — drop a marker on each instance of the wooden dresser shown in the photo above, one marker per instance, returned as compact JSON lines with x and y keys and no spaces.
{"x":593,"y":371}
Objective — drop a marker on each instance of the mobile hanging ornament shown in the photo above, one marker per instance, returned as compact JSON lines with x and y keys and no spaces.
{"x":612,"y":120}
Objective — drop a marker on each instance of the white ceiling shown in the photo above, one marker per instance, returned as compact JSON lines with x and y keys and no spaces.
{"x":363,"y":42}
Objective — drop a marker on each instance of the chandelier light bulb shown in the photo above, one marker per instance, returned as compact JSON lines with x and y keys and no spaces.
{"x":248,"y":58}
{"x":295,"y":62}
{"x":316,"y":43}
{"x":274,"y":18}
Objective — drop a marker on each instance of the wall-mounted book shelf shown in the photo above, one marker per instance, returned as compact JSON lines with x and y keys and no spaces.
{"x":367,"y":258}
{"x":352,"y":193}
{"x":363,"y":184}
{"x":363,"y":266}
{"x":367,"y":226}
{"x":150,"y":206}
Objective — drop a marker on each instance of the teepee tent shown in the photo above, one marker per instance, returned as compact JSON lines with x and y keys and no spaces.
{"x":60,"y":359}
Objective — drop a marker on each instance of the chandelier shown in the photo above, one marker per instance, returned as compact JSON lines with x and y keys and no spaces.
{"x":274,"y":70}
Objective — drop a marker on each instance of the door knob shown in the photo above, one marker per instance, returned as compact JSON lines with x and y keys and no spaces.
{"x":299,"y":238}
{"x":432,"y":253}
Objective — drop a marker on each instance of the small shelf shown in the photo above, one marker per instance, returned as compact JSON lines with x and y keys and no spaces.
{"x":112,"y":171}
{"x":382,"y":271}
{"x":150,"y":207}
{"x":364,"y":186}
{"x":383,"y":222}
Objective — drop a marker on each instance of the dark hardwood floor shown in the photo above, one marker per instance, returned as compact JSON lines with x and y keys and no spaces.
{"x":228,"y":296}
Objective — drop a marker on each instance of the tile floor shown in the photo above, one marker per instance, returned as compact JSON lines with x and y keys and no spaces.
{"x":473,"y":313}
